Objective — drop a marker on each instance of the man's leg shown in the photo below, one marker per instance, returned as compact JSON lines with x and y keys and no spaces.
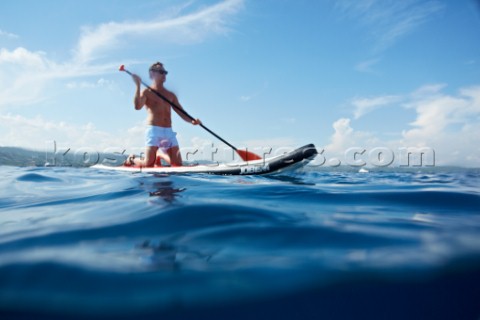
{"x":175,"y":156}
{"x":149,"y":161}
{"x":162,"y":155}
{"x":150,"y":156}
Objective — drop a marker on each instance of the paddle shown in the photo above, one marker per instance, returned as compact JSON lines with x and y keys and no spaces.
{"x":244,"y":154}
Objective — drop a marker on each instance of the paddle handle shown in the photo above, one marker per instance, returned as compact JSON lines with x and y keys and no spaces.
{"x":161,"y":96}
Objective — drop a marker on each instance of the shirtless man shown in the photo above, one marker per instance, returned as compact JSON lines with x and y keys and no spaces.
{"x":159,"y":133}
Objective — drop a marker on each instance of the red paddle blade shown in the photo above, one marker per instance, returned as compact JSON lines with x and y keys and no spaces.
{"x":121,"y":68}
{"x":248,"y":156}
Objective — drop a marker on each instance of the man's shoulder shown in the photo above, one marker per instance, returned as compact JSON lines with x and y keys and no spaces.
{"x":170,"y":93}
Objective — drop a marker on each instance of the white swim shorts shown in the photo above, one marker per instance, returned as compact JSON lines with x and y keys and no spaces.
{"x":161,"y":137}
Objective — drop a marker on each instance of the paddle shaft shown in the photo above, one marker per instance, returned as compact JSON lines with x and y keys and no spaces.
{"x":161,"y":96}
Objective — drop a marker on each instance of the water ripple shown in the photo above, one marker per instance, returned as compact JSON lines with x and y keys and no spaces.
{"x":80,"y":235}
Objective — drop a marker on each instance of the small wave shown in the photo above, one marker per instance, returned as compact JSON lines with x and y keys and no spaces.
{"x":35,"y":177}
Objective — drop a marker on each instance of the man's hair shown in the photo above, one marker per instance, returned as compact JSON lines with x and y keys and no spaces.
{"x":156,"y":66}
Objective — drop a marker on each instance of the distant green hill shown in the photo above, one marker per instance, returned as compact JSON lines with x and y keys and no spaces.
{"x":13,"y":156}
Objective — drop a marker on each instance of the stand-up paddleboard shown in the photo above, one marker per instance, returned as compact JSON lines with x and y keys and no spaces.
{"x":296,"y":158}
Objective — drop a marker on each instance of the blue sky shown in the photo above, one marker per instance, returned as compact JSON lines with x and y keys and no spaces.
{"x":340,"y":74}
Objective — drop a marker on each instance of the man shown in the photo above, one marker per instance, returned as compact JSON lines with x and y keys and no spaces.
{"x":159,"y":133}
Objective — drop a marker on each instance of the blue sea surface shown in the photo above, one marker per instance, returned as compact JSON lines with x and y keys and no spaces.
{"x":314,"y":243}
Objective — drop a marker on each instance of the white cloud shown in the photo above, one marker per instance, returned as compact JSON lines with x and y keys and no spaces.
{"x":25,"y":75}
{"x":341,"y":137}
{"x":25,"y":57}
{"x":251,"y":96}
{"x":409,"y":17}
{"x":390,"y":20}
{"x":367,"y":65}
{"x":100,"y":83}
{"x":345,"y":137}
{"x":7,"y":34}
{"x":20,"y":73}
{"x":37,"y":132}
{"x":366,"y":105}
{"x":387,"y":21}
{"x":443,"y":117}
{"x":189,"y":28}
{"x":450,"y":124}
{"x":428,"y":90}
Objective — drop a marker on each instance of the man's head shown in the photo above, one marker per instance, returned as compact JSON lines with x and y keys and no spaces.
{"x":158,"y":72}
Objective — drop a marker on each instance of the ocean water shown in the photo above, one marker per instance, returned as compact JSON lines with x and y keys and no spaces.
{"x":314,"y":243}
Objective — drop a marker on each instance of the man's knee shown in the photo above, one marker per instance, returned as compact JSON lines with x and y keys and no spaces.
{"x":150,"y":156}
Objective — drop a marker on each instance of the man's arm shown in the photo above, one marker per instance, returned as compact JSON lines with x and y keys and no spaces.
{"x":183,"y":116}
{"x":140,"y":98}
